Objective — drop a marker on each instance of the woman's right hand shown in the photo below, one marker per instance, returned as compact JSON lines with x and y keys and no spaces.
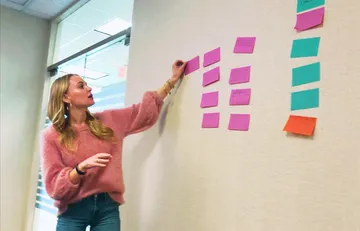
{"x":98,"y":160}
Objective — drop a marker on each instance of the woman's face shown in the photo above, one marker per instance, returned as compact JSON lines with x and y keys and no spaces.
{"x":79,"y":93}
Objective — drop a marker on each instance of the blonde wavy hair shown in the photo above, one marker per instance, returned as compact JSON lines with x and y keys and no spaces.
{"x":58,"y":113}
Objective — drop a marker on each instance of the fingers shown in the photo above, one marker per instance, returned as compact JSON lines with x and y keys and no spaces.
{"x":99,"y":165}
{"x":104,"y":156}
{"x":102,"y":161}
{"x":179,"y":63}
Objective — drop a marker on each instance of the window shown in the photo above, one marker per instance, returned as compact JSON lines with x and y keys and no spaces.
{"x":92,"y":23}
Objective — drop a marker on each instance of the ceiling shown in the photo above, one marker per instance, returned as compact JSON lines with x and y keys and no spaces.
{"x":46,"y":9}
{"x":79,"y":30}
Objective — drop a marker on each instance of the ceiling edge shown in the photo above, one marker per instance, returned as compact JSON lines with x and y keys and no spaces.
{"x":69,"y":10}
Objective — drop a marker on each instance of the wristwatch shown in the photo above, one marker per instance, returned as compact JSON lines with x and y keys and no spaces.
{"x":78,"y":170}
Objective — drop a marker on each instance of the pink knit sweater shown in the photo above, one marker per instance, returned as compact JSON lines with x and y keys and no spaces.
{"x":57,"y":161}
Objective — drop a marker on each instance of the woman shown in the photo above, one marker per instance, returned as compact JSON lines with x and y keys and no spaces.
{"x":81,"y":153}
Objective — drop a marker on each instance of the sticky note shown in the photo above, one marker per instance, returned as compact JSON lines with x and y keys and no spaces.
{"x":240,"y":96}
{"x":308,"y":47}
{"x":240,"y":75}
{"x":301,"y":125}
{"x":211,"y":76}
{"x":210,"y":99}
{"x":192,"y":65}
{"x":306,"y":74}
{"x":244,"y":45}
{"x":305,"y":99}
{"x":211,"y":57}
{"x":239,"y":122}
{"x":210,"y":120}
{"x":303,"y":5}
{"x":309,"y":19}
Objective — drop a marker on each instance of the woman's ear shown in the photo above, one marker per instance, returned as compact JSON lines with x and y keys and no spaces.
{"x":66,"y":99}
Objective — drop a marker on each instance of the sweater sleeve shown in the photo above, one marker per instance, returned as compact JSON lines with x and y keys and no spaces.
{"x":55,"y":173}
{"x":138,"y":117}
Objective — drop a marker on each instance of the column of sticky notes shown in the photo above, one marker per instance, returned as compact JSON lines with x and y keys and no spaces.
{"x":310,"y":15}
{"x":239,"y":75}
{"x":211,"y":99}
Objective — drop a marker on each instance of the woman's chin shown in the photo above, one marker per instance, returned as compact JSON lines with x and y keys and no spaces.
{"x":91,"y":103}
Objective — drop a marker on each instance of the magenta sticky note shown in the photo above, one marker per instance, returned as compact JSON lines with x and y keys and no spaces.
{"x":240,"y":75}
{"x":239,"y":122}
{"x":210,"y":99}
{"x":211,"y":57}
{"x":210,"y":120}
{"x":211,"y":76}
{"x":309,"y":19}
{"x":192,"y":65}
{"x":244,"y":45}
{"x":240,"y":96}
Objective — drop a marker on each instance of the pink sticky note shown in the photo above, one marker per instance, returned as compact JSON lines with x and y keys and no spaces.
{"x":210,"y":99}
{"x":240,"y":96}
{"x":244,"y":45}
{"x":192,"y":65}
{"x":211,"y":76}
{"x":309,"y":19}
{"x":240,"y":75}
{"x":239,"y":122}
{"x":211,"y":120}
{"x":211,"y":57}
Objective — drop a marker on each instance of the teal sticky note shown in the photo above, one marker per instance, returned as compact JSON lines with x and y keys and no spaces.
{"x":305,"y":99}
{"x":306,"y":74}
{"x":308,"y":47}
{"x":303,"y":5}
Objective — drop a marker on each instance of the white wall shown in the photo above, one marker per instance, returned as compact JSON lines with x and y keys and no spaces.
{"x":24,"y":45}
{"x":180,"y":177}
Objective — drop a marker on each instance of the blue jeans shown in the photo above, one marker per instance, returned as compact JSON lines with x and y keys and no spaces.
{"x":99,"y":212}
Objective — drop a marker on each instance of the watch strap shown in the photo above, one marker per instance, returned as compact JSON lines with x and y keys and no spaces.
{"x":78,"y":170}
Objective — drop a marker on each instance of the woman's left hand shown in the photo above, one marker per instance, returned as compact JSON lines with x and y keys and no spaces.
{"x":178,"y":69}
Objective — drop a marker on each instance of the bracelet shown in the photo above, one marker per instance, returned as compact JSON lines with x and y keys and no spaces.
{"x":78,"y":170}
{"x":167,"y":92}
{"x":170,"y":85}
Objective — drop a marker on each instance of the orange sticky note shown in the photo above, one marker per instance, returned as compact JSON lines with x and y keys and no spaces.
{"x":301,"y":125}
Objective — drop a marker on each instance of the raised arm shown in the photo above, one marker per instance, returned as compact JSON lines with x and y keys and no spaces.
{"x":55,"y":174}
{"x":142,"y":116}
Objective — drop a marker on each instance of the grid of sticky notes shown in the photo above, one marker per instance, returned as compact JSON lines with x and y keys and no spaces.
{"x":237,"y":97}
{"x":310,"y":15}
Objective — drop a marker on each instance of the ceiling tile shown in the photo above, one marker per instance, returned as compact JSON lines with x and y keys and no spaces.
{"x":20,"y":2}
{"x":39,"y":8}
{"x":44,"y":15}
{"x":11,"y":5}
{"x":49,"y":7}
